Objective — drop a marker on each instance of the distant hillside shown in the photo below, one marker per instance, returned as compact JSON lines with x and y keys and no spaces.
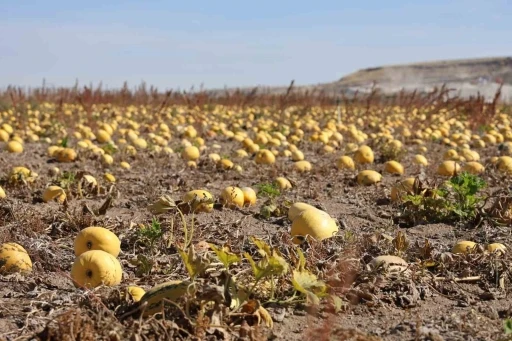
{"x":476,"y":71}
{"x":467,"y":77}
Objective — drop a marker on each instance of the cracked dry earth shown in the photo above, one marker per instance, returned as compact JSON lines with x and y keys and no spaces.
{"x":45,"y":305}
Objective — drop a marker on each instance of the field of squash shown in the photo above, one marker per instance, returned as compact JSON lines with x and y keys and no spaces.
{"x":254,"y":217}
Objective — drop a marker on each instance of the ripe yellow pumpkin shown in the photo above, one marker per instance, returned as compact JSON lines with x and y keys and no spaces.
{"x":199,"y":201}
{"x":327,"y":149}
{"x":368,"y":177}
{"x":364,"y":155}
{"x":135,"y":292}
{"x":125,"y":165}
{"x":504,"y":164}
{"x":394,"y":167}
{"x":247,"y":142}
{"x":97,"y":151}
{"x":52,"y":150}
{"x":226,"y":164}
{"x":297,"y":155}
{"x":478,"y":144}
{"x":140,"y":143}
{"x":190,"y":153}
{"x":249,"y":196}
{"x":97,"y":238}
{"x":82,"y":144}
{"x":420,"y":160}
{"x":14,"y":147}
{"x":253,"y":148}
{"x":109,"y":177}
{"x":107,"y":159}
{"x":463,"y":247}
{"x":351,"y":148}
{"x":14,"y":258}
{"x":489,"y":139}
{"x":473,"y":167}
{"x":4,"y":136}
{"x":102,"y":136}
{"x":22,"y":173}
{"x":448,"y":168}
{"x":297,"y":208}
{"x":265,"y":157}
{"x":232,"y":196}
{"x":313,"y":223}
{"x":422,"y":149}
{"x":496,"y":247}
{"x":96,"y":267}
{"x":7,"y":128}
{"x":286,"y":153}
{"x":451,"y":154}
{"x":190,"y":132}
{"x":54,"y":193}
{"x":214,"y":157}
{"x":470,"y":155}
{"x":2,"y":193}
{"x":241,"y":153}
{"x":345,"y":162}
{"x":283,"y":183}
{"x":65,"y":155}
{"x":130,"y":150}
{"x":302,"y":166}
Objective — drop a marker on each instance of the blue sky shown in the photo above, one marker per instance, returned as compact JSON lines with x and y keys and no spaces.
{"x":177,"y":44}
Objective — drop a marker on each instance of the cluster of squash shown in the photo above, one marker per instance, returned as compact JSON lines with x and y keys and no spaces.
{"x":264,"y":138}
{"x":467,"y":246}
{"x":257,"y":136}
{"x":96,"y":251}
{"x":198,"y":201}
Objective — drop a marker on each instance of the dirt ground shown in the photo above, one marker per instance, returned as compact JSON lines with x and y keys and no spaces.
{"x":45,"y":305}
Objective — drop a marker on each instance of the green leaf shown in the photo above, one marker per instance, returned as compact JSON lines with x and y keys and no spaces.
{"x":277,"y":264}
{"x":225,"y":256}
{"x":194,"y":264}
{"x":152,"y":232}
{"x":64,"y":142}
{"x":258,"y":271}
{"x":271,"y":264}
{"x":269,"y":190}
{"x":507,"y":325}
{"x":263,"y":248}
{"x":306,"y":282}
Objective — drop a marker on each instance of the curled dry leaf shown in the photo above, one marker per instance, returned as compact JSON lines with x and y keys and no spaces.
{"x":163,"y":205}
{"x":254,"y":308}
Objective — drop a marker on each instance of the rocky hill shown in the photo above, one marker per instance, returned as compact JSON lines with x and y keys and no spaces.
{"x":467,"y":77}
{"x":473,"y":71}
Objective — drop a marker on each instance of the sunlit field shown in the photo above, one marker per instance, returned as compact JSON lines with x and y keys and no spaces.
{"x":141,"y":215}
